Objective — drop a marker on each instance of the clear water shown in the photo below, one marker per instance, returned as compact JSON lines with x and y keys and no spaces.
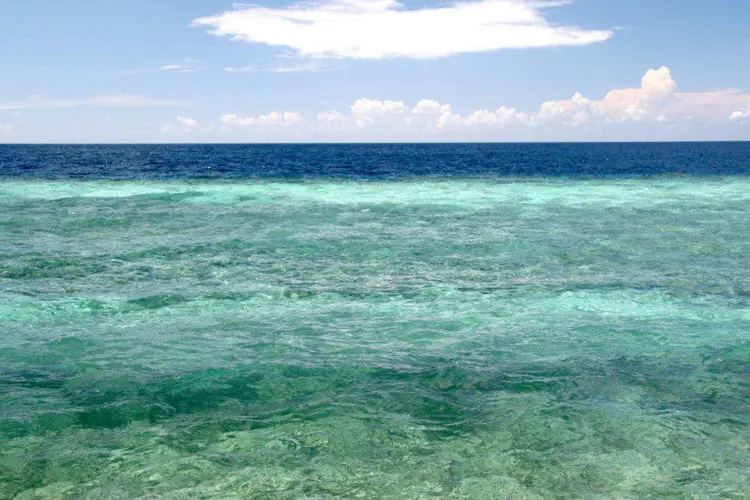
{"x":451,"y":337}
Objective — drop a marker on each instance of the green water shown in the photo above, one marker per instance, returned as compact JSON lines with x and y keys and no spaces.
{"x":444,"y":339}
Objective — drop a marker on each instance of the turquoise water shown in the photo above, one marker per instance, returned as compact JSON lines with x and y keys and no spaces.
{"x":449,"y":339}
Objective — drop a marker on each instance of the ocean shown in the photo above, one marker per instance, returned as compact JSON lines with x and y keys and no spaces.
{"x":457,"y":321}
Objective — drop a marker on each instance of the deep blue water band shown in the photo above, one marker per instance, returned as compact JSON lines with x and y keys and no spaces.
{"x":373,"y":161}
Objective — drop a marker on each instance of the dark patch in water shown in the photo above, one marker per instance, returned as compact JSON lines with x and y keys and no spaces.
{"x":157,"y":301}
{"x":694,"y":474}
{"x":72,"y":345}
{"x":298,"y":294}
{"x":117,"y":405}
{"x":733,"y":360}
{"x":171,"y":253}
{"x":52,"y":268}
{"x":207,"y":389}
{"x":34,"y":378}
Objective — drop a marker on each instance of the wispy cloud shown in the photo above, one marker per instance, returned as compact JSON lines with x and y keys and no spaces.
{"x":242,"y":69}
{"x":307,"y":66}
{"x":188,"y":65}
{"x":380,"y":29}
{"x":130,"y":101}
{"x":104,"y":101}
{"x":298,"y":68}
{"x":171,"y":67}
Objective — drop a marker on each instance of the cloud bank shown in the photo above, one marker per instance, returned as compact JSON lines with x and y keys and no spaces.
{"x":381,"y":29}
{"x":653,"y":108}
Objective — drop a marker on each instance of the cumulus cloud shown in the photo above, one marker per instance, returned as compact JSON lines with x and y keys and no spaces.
{"x":380,"y":29}
{"x":274,"y":119}
{"x":657,"y":89}
{"x":657,"y":99}
{"x":428,"y":107}
{"x":576,"y":111}
{"x":428,"y":116}
{"x":739,"y":115}
{"x":501,"y":117}
{"x":369,"y":111}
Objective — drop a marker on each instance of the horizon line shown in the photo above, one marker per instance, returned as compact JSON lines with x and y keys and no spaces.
{"x":364,"y":143}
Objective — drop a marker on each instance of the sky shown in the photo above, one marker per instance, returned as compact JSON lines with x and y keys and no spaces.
{"x":186,"y":71}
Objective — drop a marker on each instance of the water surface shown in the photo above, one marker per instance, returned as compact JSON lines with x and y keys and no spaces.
{"x":418,"y":331}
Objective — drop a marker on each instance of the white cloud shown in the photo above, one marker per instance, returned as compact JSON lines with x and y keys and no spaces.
{"x":431,"y":116}
{"x":428,"y":107}
{"x":739,"y":115}
{"x":502,"y":117}
{"x":658,"y":83}
{"x":428,"y":115}
{"x":656,"y":100}
{"x":188,"y":122}
{"x":273,"y":119}
{"x":380,"y":29}
{"x":656,"y":91}
{"x":576,"y":111}
{"x":369,"y":111}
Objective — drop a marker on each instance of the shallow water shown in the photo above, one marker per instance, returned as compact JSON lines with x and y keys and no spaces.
{"x":445,"y":338}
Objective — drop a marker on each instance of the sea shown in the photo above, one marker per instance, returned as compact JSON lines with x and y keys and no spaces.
{"x":375,"y":321}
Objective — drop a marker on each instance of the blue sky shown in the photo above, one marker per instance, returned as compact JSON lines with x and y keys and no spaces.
{"x":373,"y":70}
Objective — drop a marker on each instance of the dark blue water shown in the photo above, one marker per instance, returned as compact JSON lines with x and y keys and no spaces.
{"x":373,"y":161}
